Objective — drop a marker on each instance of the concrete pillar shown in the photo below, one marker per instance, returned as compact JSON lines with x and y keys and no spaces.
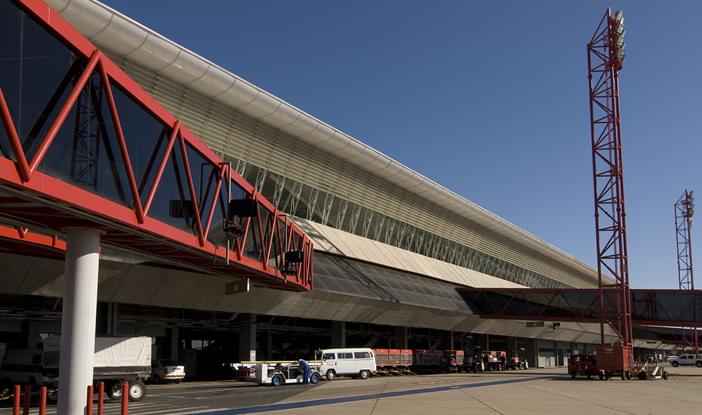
{"x":269,"y":345}
{"x":451,"y":340}
{"x":33,"y":331}
{"x":78,"y":319}
{"x":112,"y":313}
{"x":247,"y":337}
{"x":338,"y":334}
{"x":175,"y":343}
{"x":402,"y":336}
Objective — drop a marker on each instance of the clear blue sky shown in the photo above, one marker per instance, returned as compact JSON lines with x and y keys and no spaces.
{"x":487,"y":98}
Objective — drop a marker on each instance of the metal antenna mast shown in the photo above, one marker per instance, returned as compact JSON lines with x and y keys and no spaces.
{"x":684,"y":209}
{"x":605,"y":55}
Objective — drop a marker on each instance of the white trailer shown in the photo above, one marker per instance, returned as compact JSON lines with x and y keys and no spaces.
{"x":117,"y":360}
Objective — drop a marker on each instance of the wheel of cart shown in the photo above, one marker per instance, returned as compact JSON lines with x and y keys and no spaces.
{"x":277,"y":380}
{"x":136,"y":390}
{"x":314,"y":378}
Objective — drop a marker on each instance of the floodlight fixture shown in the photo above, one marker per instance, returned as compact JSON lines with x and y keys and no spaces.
{"x":237,"y":210}
{"x":292,"y":258}
{"x":619,"y":17}
{"x":617,"y":40}
{"x":689,"y":203}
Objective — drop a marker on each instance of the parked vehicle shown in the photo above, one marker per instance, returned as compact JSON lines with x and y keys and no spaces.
{"x":517,"y":363}
{"x":359,"y":362}
{"x":686,"y":360}
{"x":24,"y":367}
{"x":582,"y":365}
{"x":277,"y":374}
{"x":117,"y":360}
{"x":166,"y":370}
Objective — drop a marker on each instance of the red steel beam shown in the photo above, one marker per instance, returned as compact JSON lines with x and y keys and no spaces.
{"x":55,"y":204}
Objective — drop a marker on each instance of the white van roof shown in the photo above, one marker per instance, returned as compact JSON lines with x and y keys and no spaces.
{"x":347,"y":349}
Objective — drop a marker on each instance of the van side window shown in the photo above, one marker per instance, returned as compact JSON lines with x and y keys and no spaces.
{"x":345,"y":355}
{"x":361,"y":355}
{"x":328,"y":356}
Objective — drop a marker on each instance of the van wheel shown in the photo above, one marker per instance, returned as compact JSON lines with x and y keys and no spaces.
{"x":364,"y":374}
{"x":331,"y":375}
{"x":314,"y":378}
{"x":137,"y":391}
{"x":675,"y":364}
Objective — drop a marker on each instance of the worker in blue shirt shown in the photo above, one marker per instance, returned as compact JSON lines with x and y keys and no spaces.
{"x":305,"y":367}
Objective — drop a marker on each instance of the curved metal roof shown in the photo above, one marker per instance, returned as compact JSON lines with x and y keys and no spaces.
{"x":127,"y":38}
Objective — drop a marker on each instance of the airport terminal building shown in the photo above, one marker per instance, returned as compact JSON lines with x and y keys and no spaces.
{"x":391,"y":246}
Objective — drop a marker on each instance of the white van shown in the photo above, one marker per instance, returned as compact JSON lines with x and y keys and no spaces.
{"x":348,"y":362}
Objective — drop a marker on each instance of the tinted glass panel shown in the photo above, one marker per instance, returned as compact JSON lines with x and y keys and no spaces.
{"x":86,"y":152}
{"x":361,"y":355}
{"x":204,"y":180}
{"x":146,"y":139}
{"x":252,"y":249}
{"x":216,"y":234}
{"x":328,"y":356}
{"x":33,"y":72}
{"x":172,"y":202}
{"x":345,"y":355}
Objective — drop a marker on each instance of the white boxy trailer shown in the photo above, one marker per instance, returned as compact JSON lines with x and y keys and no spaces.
{"x":117,"y":359}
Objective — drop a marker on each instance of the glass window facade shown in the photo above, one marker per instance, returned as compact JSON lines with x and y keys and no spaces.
{"x":301,"y":200}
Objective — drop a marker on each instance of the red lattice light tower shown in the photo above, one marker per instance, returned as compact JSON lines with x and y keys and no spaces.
{"x":684,"y":209}
{"x":605,"y":54}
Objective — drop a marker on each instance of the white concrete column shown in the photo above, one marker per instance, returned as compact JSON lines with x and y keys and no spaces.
{"x":78,"y":319}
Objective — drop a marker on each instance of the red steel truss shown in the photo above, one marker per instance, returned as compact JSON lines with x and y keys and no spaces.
{"x":684,"y":208}
{"x":608,"y":177}
{"x":32,"y":198}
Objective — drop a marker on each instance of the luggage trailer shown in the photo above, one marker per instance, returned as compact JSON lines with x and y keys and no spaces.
{"x":277,"y":373}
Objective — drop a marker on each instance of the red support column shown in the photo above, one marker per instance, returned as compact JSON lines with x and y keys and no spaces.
{"x":89,"y":401}
{"x":101,"y":398}
{"x":42,"y":400}
{"x":16,"y":400}
{"x":125,"y":399}
{"x":27,"y":397}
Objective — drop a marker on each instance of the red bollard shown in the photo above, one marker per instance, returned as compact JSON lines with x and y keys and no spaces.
{"x":27,"y":396}
{"x":101,"y":398}
{"x":16,"y":400}
{"x":89,"y":402}
{"x":42,"y":400}
{"x":125,"y":398}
